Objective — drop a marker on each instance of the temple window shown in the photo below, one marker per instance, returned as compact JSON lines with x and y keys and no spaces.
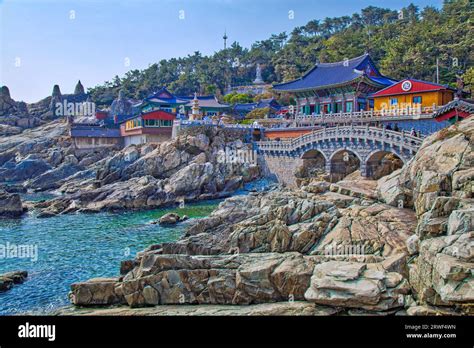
{"x":349,"y":105}
{"x":152,"y":123}
{"x":393,"y":101}
{"x":417,"y":100}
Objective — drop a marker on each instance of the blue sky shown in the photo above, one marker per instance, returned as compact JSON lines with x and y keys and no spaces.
{"x":44,"y":43}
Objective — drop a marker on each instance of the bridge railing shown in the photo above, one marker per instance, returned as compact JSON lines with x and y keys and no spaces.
{"x":405,"y":114}
{"x":359,"y":132}
{"x":216,"y":124}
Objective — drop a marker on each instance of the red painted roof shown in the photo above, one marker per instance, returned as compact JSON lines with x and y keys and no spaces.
{"x":417,"y":86}
{"x":101,"y":115}
{"x":451,"y":114}
{"x":158,"y":115}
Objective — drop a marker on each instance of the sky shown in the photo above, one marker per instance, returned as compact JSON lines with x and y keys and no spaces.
{"x":47,"y":42}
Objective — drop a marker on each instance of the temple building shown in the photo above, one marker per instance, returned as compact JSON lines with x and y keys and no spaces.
{"x":162,"y":100}
{"x":412,"y":93}
{"x":455,"y":110}
{"x":87,"y":137}
{"x":343,"y":86}
{"x":208,"y":106}
{"x":154,"y":126}
{"x":181,"y":105}
{"x":241,"y":110}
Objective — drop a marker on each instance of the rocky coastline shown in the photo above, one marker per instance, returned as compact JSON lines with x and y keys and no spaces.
{"x":185,"y":169}
{"x":409,"y":235}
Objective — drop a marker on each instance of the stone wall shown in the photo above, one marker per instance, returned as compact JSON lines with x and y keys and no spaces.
{"x":280,"y":168}
{"x":193,"y":130}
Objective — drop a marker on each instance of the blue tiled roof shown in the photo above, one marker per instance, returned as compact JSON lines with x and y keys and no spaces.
{"x":172,"y":99}
{"x":269,"y":103}
{"x":246,"y":107}
{"x":209,"y":101}
{"x":95,"y":132}
{"x":264,"y":103}
{"x":327,"y":74}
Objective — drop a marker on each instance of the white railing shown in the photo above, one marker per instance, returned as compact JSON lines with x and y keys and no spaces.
{"x":216,"y":124}
{"x":405,"y":114}
{"x":402,"y":139}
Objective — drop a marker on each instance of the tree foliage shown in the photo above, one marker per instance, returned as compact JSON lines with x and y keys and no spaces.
{"x":405,"y":43}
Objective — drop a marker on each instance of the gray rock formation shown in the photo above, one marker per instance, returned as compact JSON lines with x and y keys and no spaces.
{"x":79,"y":89}
{"x":10,"y":204}
{"x":438,"y":183}
{"x":169,"y":219}
{"x":284,"y":244}
{"x":56,"y":97}
{"x":8,"y":280}
{"x":140,"y":177}
{"x":121,"y":105}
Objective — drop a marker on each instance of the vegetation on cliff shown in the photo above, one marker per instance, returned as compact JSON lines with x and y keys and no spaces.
{"x":404,"y":43}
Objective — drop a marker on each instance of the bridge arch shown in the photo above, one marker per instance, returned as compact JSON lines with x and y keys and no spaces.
{"x":379,"y":163}
{"x":365,"y":145}
{"x":344,"y":161}
{"x":312,"y":164}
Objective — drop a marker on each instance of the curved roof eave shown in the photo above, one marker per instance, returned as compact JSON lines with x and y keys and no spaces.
{"x":328,"y":86}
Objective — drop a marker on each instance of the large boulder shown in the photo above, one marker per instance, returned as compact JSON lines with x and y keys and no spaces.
{"x":97,"y":291}
{"x":183,"y":279}
{"x":443,"y":166}
{"x":52,"y":178}
{"x":169,"y":219}
{"x":10,"y":204}
{"x":357,"y":285}
{"x":442,"y":273}
{"x":27,"y":168}
{"x":7,"y":280}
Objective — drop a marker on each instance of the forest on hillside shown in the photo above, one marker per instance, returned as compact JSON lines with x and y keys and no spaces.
{"x":404,"y":43}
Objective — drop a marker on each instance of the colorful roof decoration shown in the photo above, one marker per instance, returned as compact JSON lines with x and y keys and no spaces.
{"x":324,"y":75}
{"x":409,"y":86}
{"x":461,"y":108}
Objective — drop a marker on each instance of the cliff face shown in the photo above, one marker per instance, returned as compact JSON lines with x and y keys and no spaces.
{"x":303,"y":245}
{"x":187,"y":168}
{"x":16,"y":116}
{"x":439,"y":182}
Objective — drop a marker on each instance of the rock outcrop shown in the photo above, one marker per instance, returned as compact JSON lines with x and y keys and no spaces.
{"x":8,"y":280}
{"x":400,"y":245}
{"x":267,"y":247}
{"x":140,"y":177}
{"x":171,"y":219}
{"x":357,"y":285}
{"x":438,"y":183}
{"x":10,"y":204}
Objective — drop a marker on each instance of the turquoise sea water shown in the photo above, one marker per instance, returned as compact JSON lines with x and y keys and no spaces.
{"x":77,"y":247}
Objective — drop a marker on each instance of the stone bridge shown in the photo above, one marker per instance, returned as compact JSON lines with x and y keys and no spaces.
{"x":336,"y":146}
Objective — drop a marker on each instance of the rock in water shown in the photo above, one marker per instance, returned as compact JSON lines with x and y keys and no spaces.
{"x":7,"y":280}
{"x":10,"y":204}
{"x":169,"y":219}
